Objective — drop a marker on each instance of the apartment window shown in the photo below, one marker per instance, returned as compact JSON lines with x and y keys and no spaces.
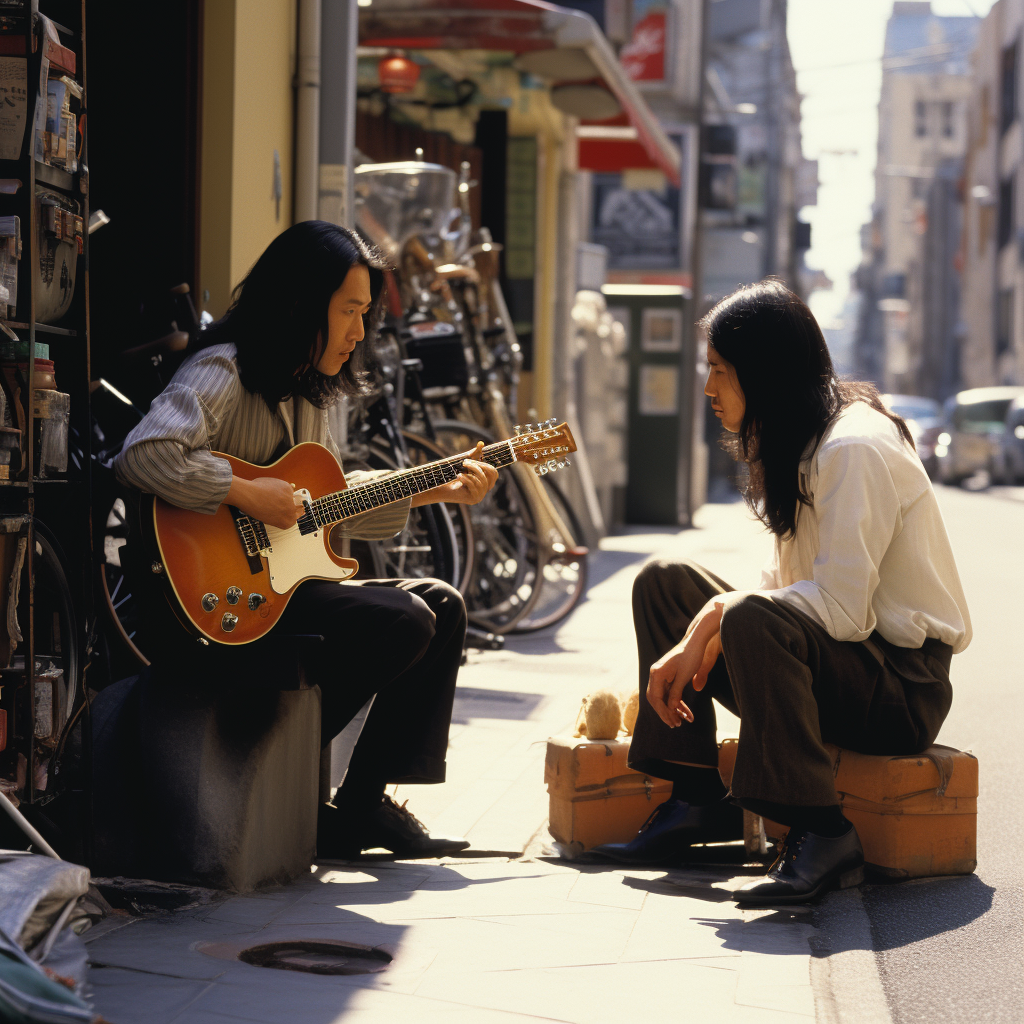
{"x":1007,"y":214}
{"x":920,"y":119}
{"x":1008,"y":88}
{"x":1004,"y":326}
{"x":947,"y":120}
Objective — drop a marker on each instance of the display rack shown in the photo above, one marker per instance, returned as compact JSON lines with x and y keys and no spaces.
{"x":53,"y":507}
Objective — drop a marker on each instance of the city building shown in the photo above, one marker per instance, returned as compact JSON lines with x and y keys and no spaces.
{"x":993,"y":287}
{"x":754,"y":178}
{"x":908,"y":333}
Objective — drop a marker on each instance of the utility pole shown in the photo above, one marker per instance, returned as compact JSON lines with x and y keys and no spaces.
{"x":339,"y":37}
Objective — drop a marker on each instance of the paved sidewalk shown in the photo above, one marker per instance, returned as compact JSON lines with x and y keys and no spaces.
{"x":508,"y":932}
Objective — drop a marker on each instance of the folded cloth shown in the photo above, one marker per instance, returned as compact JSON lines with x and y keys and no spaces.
{"x":29,"y":995}
{"x":43,"y":962}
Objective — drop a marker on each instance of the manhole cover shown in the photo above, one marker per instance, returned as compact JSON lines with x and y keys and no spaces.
{"x":317,"y":957}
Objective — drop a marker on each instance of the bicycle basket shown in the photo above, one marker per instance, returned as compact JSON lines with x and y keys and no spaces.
{"x":438,"y":346}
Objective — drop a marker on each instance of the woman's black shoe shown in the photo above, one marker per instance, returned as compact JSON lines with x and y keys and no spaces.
{"x":807,"y":867}
{"x":672,"y":828}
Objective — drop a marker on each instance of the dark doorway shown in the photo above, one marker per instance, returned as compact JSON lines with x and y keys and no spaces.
{"x":144,"y":104}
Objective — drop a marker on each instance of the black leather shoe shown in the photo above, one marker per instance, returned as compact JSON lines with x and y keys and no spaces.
{"x":807,"y":867}
{"x":673,"y":827}
{"x":397,"y":829}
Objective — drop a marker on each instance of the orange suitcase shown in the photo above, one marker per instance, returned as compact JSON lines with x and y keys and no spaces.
{"x":594,"y":797}
{"x":916,"y":814}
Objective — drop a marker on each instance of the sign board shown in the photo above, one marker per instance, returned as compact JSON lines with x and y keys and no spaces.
{"x":639,"y":227}
{"x":643,"y":57}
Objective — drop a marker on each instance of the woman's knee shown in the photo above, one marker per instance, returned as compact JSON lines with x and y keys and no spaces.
{"x":751,"y":622}
{"x":660,"y":574}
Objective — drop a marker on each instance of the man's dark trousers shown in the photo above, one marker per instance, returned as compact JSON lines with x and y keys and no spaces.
{"x":793,"y":686}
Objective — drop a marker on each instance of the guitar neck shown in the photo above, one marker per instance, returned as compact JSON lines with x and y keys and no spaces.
{"x":385,"y":490}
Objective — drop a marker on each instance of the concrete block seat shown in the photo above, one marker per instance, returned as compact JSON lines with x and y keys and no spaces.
{"x":206,"y":769}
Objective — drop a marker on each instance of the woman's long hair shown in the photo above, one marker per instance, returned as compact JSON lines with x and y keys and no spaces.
{"x":791,"y":389}
{"x":278,"y":315}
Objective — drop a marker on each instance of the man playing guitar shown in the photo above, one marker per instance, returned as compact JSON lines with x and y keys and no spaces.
{"x":263,"y":380}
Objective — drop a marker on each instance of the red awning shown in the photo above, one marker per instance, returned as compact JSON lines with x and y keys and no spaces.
{"x":521,"y":26}
{"x":613,"y":145}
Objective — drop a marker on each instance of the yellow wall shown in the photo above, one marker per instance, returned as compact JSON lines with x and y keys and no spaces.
{"x":248,"y":71}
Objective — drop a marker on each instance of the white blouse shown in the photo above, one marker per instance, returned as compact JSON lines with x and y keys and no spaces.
{"x":872,"y":551}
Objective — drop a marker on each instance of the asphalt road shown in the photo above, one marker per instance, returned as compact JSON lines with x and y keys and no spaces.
{"x":952,"y":950}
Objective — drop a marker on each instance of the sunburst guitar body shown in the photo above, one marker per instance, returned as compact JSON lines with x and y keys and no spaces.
{"x":230,"y":577}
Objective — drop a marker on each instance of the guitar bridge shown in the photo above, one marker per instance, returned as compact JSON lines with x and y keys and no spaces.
{"x":253,"y":535}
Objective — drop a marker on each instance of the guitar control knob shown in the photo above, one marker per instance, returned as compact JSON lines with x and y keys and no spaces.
{"x":233,"y":595}
{"x":255,"y":600}
{"x":228,"y":622}
{"x":209,"y":602}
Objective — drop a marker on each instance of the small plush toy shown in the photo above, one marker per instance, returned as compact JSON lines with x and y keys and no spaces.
{"x":630,"y":709}
{"x":601,"y":714}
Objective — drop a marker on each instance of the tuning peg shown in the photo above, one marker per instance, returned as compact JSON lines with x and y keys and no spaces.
{"x":551,"y":422}
{"x":518,"y":429}
{"x":566,"y":462}
{"x":542,"y":469}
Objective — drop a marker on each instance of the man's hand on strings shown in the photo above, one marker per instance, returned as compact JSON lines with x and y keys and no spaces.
{"x":469,"y":487}
{"x":690,"y":661}
{"x":267,"y":499}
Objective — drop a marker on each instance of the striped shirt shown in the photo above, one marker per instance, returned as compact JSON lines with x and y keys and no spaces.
{"x":206,"y":407}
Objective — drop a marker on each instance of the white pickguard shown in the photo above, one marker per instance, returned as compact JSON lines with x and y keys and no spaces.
{"x":294,"y":557}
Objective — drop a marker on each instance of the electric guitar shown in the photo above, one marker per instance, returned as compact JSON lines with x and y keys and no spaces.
{"x":230,"y":576}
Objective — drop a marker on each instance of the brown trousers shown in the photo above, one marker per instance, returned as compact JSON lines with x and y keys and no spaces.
{"x":793,"y":686}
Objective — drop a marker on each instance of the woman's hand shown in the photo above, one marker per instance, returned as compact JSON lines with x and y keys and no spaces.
{"x":691,"y":660}
{"x":467,"y":488}
{"x":267,"y":499}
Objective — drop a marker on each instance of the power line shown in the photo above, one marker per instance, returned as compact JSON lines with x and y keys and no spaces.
{"x":906,"y":59}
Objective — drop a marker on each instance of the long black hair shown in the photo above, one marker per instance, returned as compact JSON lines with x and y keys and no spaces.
{"x":278,"y":315}
{"x":791,"y":389}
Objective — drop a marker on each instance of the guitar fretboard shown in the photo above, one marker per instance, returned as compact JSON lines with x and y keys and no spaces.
{"x":333,"y":508}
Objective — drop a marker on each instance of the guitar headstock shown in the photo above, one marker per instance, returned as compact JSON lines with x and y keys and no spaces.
{"x":545,"y":446}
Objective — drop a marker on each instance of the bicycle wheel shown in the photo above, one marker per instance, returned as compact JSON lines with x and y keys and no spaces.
{"x":422,"y":451}
{"x":427,"y":545}
{"x":563,"y":580}
{"x":506,"y":549}
{"x":118,"y":602}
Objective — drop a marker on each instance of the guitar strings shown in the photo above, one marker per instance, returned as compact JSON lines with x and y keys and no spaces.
{"x":332,"y":508}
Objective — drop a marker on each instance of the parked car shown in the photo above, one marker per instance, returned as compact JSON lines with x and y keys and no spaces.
{"x":924,"y":418}
{"x":1009,"y":461}
{"x":975,"y":422}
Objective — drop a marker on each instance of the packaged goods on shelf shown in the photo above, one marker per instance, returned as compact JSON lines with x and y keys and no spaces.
{"x":17,"y":351}
{"x":13,"y":104}
{"x":64,"y":226}
{"x":60,"y":236}
{"x":10,"y":443}
{"x":10,"y":253}
{"x":53,"y":413}
{"x":50,"y":697}
{"x":61,"y":136}
{"x":58,"y":56}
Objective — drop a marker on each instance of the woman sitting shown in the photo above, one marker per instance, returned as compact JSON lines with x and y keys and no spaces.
{"x":850,"y":637}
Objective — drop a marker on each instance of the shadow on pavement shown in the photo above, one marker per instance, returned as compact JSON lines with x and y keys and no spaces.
{"x":471,"y":702}
{"x":605,"y":564}
{"x":907,"y":912}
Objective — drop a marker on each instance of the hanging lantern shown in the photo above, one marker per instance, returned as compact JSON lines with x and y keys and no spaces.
{"x":398,"y":73}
